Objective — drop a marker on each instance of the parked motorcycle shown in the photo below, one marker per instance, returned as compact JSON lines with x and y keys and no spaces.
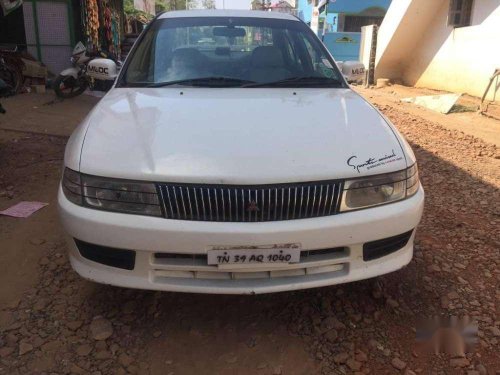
{"x":11,"y":67}
{"x":9,"y":80}
{"x":88,"y":70}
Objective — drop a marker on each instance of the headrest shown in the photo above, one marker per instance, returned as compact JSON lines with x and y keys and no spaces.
{"x":267,"y":56}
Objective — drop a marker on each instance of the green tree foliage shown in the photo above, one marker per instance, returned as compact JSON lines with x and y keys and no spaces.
{"x":128,"y":8}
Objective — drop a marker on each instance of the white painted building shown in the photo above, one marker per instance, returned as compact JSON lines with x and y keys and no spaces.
{"x":283,"y":6}
{"x":451,"y":45}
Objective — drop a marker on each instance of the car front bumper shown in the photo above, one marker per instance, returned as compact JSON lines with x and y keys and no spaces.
{"x":150,"y":237}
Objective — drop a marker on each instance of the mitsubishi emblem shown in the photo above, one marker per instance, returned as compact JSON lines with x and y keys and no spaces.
{"x":252,"y":207}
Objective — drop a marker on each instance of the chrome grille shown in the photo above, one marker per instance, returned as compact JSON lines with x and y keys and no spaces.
{"x":229,"y":203}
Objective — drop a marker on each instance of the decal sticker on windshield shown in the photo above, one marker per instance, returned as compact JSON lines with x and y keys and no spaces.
{"x":327,"y":72}
{"x":372,"y":162}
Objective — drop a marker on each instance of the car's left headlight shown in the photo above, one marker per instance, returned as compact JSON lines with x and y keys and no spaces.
{"x":380,"y":189}
{"x":111,"y":194}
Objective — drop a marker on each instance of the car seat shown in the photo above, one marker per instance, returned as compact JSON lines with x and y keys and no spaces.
{"x":267,"y":65}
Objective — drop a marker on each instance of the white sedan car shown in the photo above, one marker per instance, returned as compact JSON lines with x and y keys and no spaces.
{"x":243,"y":165}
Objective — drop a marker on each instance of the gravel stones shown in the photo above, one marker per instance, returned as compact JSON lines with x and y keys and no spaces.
{"x":398,"y":364}
{"x":341,"y":358}
{"x":125,"y":360}
{"x":6,"y":351}
{"x":100,"y":328}
{"x":495,"y":331}
{"x":353,"y":364}
{"x":24,"y":348}
{"x":84,"y":350}
{"x":331,"y":335}
{"x":459,"y":362}
{"x":74,"y":325}
{"x":363,"y":327}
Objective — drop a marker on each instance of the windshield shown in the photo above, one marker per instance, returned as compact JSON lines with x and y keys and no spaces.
{"x":230,"y":52}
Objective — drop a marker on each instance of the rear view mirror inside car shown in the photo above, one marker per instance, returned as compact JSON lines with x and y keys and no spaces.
{"x":229,"y":31}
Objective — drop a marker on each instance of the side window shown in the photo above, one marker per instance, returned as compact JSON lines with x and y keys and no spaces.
{"x":459,"y":14}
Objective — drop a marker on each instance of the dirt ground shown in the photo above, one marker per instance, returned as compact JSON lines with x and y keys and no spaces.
{"x":463,"y":116}
{"x":54,"y":322}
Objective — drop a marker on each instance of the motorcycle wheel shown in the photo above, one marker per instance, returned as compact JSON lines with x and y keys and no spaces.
{"x":12,"y":77}
{"x":68,"y":87}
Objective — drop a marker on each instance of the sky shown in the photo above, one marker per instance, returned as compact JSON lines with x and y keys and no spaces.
{"x":233,"y":4}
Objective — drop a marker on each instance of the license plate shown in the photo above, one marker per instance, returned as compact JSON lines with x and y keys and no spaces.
{"x":253,"y":256}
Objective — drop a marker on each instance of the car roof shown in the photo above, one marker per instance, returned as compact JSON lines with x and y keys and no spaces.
{"x":228,"y":13}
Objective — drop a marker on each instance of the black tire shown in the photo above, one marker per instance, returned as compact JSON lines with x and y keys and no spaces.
{"x":12,"y":77}
{"x":68,"y":87}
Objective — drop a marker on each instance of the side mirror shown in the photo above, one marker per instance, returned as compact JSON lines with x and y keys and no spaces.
{"x":104,"y":69}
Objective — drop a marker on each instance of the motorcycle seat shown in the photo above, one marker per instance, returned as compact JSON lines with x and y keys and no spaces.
{"x":8,"y":47}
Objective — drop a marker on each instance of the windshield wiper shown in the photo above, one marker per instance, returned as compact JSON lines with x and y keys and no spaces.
{"x":305,"y":81}
{"x":205,"y":82}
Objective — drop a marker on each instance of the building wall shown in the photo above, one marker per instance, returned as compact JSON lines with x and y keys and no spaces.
{"x":48,"y":26}
{"x":483,"y":9}
{"x":343,"y":45}
{"x":416,"y":45}
{"x":304,"y":10}
{"x":365,"y":48}
{"x":404,"y":24}
{"x":461,"y":59}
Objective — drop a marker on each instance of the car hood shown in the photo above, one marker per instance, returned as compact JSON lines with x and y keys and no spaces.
{"x":238,"y":136}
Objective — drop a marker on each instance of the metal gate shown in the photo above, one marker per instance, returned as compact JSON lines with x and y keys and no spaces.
{"x":49,"y":31}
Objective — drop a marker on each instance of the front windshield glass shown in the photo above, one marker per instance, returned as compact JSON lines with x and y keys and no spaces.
{"x":225,"y":51}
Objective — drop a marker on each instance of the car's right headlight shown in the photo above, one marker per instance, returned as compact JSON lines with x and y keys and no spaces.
{"x":111,"y":194}
{"x":379,"y":189}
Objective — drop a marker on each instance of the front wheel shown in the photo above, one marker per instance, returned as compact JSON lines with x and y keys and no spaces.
{"x":68,"y":86}
{"x":12,"y":76}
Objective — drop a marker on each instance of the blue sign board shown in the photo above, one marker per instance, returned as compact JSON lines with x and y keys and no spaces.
{"x":356,"y":6}
{"x":343,"y":46}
